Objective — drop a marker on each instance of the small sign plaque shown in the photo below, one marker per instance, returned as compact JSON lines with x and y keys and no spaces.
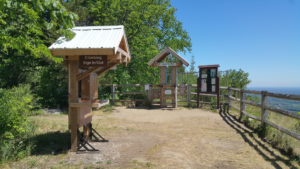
{"x":167,"y":64}
{"x":93,"y":61}
{"x":146,"y":86}
{"x":167,"y":91}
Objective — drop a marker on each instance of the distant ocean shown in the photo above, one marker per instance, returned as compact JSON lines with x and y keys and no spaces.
{"x":290,"y":105}
{"x":284,"y":90}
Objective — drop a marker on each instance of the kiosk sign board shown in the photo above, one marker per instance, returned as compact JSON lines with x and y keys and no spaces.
{"x":208,"y":82}
{"x":86,"y":61}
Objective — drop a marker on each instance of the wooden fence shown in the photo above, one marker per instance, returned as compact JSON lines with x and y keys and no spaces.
{"x":264,"y":105}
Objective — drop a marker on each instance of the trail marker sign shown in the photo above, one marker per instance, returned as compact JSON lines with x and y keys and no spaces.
{"x":86,"y":61}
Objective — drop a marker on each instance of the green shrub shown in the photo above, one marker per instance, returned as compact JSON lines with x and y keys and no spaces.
{"x":15,"y":128}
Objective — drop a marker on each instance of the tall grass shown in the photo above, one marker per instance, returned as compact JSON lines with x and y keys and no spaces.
{"x":15,"y":128}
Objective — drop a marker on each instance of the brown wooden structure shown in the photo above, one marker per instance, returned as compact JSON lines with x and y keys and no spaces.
{"x":93,"y":51}
{"x":208,"y":82}
{"x":165,"y":94}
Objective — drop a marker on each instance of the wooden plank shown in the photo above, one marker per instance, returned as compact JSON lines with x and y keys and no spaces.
{"x":205,"y":102}
{"x":117,"y":56}
{"x":252,"y":103}
{"x":295,"y":135}
{"x":251,"y":116}
{"x":155,"y":102}
{"x":69,"y":52}
{"x":188,"y":95}
{"x":174,"y":83}
{"x":131,"y":85}
{"x":131,"y":100}
{"x":252,"y":91}
{"x":182,"y":100}
{"x":234,"y":89}
{"x":123,"y":52}
{"x":87,"y":73}
{"x":70,"y":57}
{"x":131,"y":92}
{"x":124,"y":59}
{"x":284,"y":96}
{"x":76,"y":104}
{"x":194,"y":101}
{"x":234,"y":98}
{"x":162,"y":75}
{"x":235,"y":108}
{"x":283,"y":112}
{"x":204,"y":94}
{"x":73,"y":111}
{"x":193,"y":85}
{"x":193,"y":93}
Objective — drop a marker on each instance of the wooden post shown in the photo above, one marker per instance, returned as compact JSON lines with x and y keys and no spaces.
{"x":150,"y":94}
{"x":229,"y":100}
{"x":174,"y":83}
{"x":86,"y":131}
{"x":264,"y":112}
{"x":242,"y":105}
{"x":113,"y":94}
{"x":73,"y":111}
{"x":162,"y":82}
{"x":188,"y":96}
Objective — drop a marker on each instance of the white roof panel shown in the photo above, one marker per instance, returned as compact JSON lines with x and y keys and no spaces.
{"x":92,"y":37}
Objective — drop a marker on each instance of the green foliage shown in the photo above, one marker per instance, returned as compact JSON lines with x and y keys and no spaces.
{"x":236,"y":79}
{"x":27,"y":28}
{"x":15,"y":128}
{"x":150,"y":26}
{"x":53,"y":86}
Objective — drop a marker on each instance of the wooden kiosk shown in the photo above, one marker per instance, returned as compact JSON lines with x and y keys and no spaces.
{"x":93,"y":51}
{"x":162,"y":93}
{"x":208,"y":82}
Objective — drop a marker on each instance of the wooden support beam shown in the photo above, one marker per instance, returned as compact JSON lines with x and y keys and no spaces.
{"x":73,"y":111}
{"x":123,"y":52}
{"x":114,"y":58}
{"x":105,"y":69}
{"x":86,"y":73}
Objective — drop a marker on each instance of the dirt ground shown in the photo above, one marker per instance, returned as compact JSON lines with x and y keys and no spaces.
{"x":180,"y":138}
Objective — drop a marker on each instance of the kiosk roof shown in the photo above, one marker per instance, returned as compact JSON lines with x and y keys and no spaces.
{"x":165,"y":53}
{"x":93,"y":37}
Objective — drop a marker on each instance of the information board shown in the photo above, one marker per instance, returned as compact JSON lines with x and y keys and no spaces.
{"x":86,"y":61}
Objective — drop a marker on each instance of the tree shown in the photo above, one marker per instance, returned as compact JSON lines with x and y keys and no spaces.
{"x":236,"y":79}
{"x":27,"y":27}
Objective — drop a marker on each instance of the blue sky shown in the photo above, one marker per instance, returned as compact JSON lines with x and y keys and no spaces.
{"x":262,"y":37}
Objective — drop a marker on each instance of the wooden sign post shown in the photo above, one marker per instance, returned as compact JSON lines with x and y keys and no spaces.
{"x":86,"y":61}
{"x":165,"y":89}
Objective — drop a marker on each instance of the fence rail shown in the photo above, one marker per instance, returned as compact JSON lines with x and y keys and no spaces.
{"x":264,"y":105}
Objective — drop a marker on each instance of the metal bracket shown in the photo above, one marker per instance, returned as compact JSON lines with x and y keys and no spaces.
{"x":82,"y":143}
{"x":91,"y":135}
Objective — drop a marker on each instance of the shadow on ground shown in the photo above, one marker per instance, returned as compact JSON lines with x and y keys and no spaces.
{"x":258,"y":145}
{"x":51,"y":143}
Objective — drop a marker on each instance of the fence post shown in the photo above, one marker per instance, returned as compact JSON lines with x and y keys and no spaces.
{"x":188,"y":96}
{"x":242,"y":104}
{"x":113,"y":94}
{"x":149,"y":94}
{"x":264,"y":112}
{"x":229,"y":100}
